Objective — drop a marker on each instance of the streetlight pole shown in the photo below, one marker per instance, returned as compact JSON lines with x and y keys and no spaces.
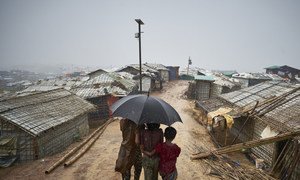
{"x":189,"y":63}
{"x":140,"y":22}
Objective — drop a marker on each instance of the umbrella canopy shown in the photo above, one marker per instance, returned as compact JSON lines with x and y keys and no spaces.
{"x":145,"y":109}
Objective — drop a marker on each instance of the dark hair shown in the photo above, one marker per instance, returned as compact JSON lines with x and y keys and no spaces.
{"x":170,"y":133}
{"x":153,"y":126}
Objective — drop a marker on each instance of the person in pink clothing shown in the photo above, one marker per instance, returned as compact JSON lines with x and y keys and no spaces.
{"x":168,"y":153}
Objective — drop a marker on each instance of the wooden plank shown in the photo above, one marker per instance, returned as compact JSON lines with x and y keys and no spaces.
{"x":246,"y":145}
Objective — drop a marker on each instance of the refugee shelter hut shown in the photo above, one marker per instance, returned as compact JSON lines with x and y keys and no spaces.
{"x":41,"y":124}
{"x":150,"y":77}
{"x":55,"y":83}
{"x":163,"y":71}
{"x":278,"y":117}
{"x":148,"y":82}
{"x":173,"y":72}
{"x":261,"y":111}
{"x":228,"y":73}
{"x":223,"y":84}
{"x":103,"y":91}
{"x":251,"y":79}
{"x":203,"y":87}
{"x":284,"y":72}
{"x":186,"y":77}
{"x":216,"y":125}
{"x":135,"y":69}
{"x":96,"y":73}
{"x":189,"y":73}
{"x":216,"y":83}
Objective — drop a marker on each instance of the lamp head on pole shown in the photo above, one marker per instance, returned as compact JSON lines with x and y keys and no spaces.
{"x":139,"y":21}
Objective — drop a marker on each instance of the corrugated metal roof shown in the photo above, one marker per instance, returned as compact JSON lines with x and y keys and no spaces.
{"x":203,"y":78}
{"x":39,"y":112}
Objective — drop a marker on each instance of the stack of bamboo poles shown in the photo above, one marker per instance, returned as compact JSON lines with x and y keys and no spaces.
{"x":246,"y":145}
{"x":265,"y":107}
{"x":71,"y":156}
{"x":272,"y":103}
{"x":225,"y":168}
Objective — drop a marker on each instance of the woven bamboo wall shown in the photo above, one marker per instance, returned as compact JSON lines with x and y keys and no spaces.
{"x":265,"y":151}
{"x":25,"y":142}
{"x":57,"y":139}
{"x":102,"y":112}
{"x":203,"y":90}
{"x":50,"y":142}
{"x":216,"y":90}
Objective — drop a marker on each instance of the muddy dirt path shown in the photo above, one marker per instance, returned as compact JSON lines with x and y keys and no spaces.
{"x":190,"y":136}
{"x":99,"y":161}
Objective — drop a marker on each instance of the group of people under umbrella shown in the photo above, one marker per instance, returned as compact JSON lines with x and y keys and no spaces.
{"x":142,"y":144}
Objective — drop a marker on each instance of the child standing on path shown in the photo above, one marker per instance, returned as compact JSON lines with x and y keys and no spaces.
{"x":168,"y":153}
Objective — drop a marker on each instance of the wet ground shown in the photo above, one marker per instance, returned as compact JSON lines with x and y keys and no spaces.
{"x":99,"y":161}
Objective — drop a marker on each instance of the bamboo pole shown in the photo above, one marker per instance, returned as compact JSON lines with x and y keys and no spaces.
{"x":71,"y":152}
{"x":272,"y":100}
{"x":294,"y":163}
{"x":226,"y":135}
{"x":245,"y":145}
{"x":274,"y":106}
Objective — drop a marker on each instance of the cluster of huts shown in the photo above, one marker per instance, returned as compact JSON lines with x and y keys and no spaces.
{"x":49,"y":115}
{"x":265,"y":105}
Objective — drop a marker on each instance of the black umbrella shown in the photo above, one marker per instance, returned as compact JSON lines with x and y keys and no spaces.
{"x":145,"y":109}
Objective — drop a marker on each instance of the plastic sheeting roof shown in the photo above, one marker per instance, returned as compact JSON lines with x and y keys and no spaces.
{"x":203,"y":78}
{"x":39,"y":112}
{"x":287,"y":113}
{"x":249,"y":96}
{"x":156,"y":66}
{"x":106,"y":83}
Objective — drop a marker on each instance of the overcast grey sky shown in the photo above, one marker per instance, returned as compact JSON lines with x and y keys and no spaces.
{"x":246,"y":35}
